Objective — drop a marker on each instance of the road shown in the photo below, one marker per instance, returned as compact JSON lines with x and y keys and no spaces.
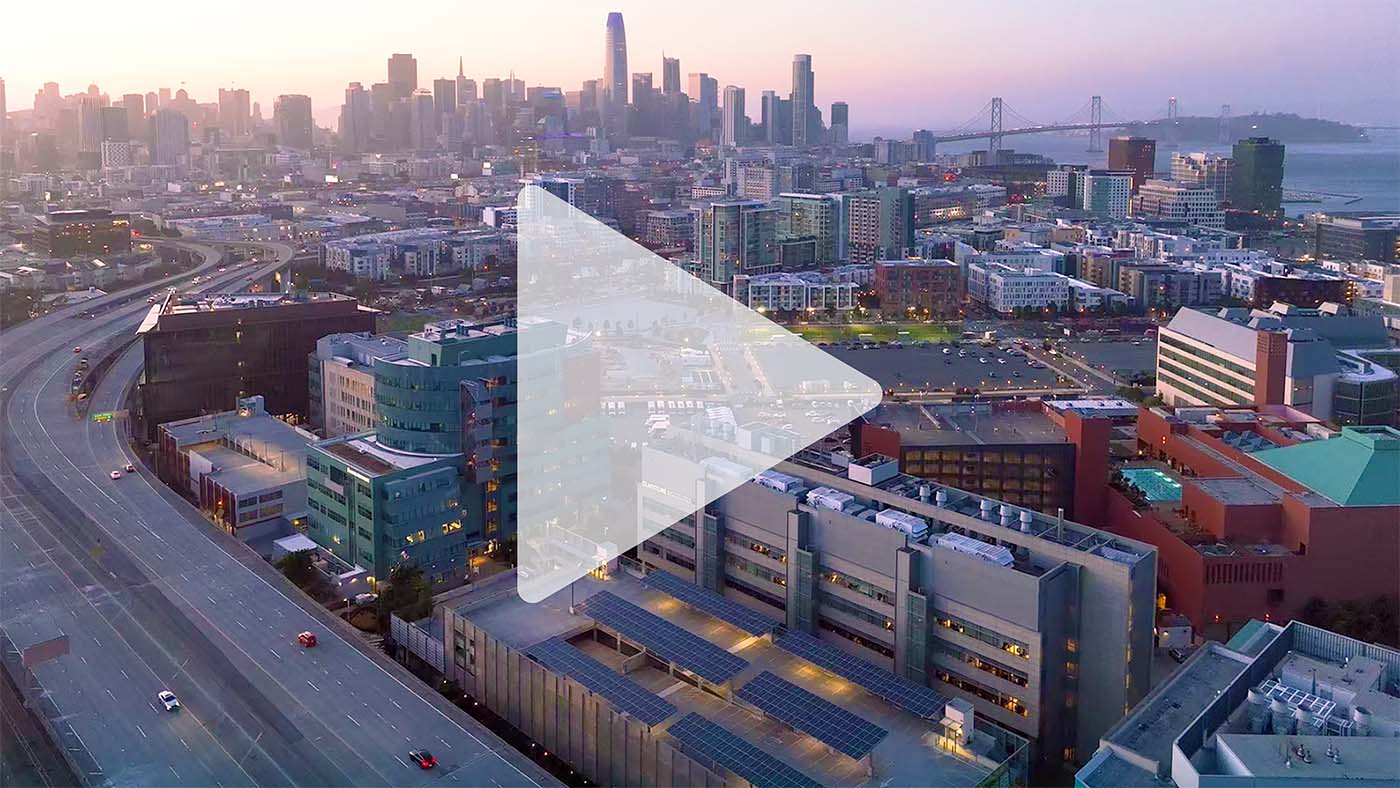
{"x":152,"y":597}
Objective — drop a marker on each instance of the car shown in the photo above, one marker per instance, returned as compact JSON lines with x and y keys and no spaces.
{"x":1016,"y":374}
{"x":77,"y":349}
{"x":307,"y":639}
{"x":1177,"y":654}
{"x":982,"y":360}
{"x":423,"y":758}
{"x":168,"y":700}
{"x":129,"y":468}
{"x":115,"y":475}
{"x":1001,"y":361}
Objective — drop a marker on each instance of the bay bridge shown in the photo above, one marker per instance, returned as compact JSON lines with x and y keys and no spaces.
{"x":991,"y":124}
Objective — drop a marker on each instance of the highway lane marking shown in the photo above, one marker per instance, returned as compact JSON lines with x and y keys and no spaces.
{"x":123,"y":670}
{"x":275,"y":654}
{"x":187,"y":744}
{"x":396,"y":704}
{"x":402,"y":761}
{"x":143,"y":731}
{"x":172,"y":771}
{"x":313,"y":686}
{"x":352,"y":719}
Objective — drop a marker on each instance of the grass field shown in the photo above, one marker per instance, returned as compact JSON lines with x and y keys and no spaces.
{"x":403,"y":322}
{"x":880,"y":332}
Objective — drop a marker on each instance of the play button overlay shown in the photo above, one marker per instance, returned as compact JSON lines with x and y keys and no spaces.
{"x":642,"y":395}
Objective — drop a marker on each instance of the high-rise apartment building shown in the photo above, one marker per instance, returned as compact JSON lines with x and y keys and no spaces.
{"x":1257,"y":181}
{"x":1204,"y":170}
{"x":804,"y":122}
{"x":810,"y":216}
{"x":295,"y":126}
{"x":1106,"y":193}
{"x":734,"y":129}
{"x":878,"y":224}
{"x":402,"y":75}
{"x":615,"y":74}
{"x":1135,"y":154}
{"x":736,"y":237}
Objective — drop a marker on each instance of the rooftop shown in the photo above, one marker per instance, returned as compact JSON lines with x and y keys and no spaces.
{"x":906,"y":755}
{"x":979,"y":423}
{"x":366,"y":454}
{"x":1359,"y":467}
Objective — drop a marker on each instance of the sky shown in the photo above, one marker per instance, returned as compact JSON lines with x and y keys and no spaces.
{"x":900,"y":64}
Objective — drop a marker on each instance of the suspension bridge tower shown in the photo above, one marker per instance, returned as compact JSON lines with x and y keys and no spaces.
{"x":994,"y":141}
{"x":1096,"y":124}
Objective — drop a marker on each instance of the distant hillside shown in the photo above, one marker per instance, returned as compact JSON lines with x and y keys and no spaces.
{"x":1284,"y":127}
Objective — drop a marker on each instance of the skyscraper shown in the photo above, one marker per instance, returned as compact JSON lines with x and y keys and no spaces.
{"x":89,"y":131}
{"x":777,"y":118}
{"x":466,"y":88}
{"x":1257,"y":182}
{"x":235,"y":112}
{"x":403,"y":75}
{"x":670,"y":75}
{"x":295,"y":127}
{"x":444,"y":96}
{"x":841,"y":123}
{"x":704,"y":91}
{"x":735,"y":126}
{"x":135,"y":106}
{"x":614,"y":73}
{"x":803,"y":117}
{"x":355,"y":119}
{"x":1138,"y":154}
{"x":423,"y":126}
{"x":170,"y":137}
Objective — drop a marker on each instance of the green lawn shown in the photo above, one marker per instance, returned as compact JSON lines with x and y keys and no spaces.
{"x":880,"y":332}
{"x":403,"y":322}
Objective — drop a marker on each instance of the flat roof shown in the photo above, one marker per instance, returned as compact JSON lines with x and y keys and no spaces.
{"x":367,"y":454}
{"x":962,"y":424}
{"x":907,"y":755}
{"x":241,"y":474}
{"x":1370,"y":758}
{"x":1240,"y":492}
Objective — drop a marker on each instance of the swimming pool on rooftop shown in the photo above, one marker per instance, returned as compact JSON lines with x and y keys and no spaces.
{"x":1155,"y":485}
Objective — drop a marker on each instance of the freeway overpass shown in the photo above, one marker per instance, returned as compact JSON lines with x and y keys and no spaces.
{"x":150,"y":596}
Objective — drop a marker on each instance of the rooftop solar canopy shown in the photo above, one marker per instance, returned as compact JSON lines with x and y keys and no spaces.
{"x":737,"y":755}
{"x":897,"y":690}
{"x":662,"y":638}
{"x":707,"y":601}
{"x":623,"y":693}
{"x":812,"y":714}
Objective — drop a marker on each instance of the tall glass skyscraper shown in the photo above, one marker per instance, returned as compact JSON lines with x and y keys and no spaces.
{"x":615,"y":73}
{"x":802,"y":106}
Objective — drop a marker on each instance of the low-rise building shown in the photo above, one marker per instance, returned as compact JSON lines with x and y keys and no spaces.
{"x":1196,"y":205}
{"x":93,"y":231}
{"x":1006,"y":290}
{"x":808,"y":291}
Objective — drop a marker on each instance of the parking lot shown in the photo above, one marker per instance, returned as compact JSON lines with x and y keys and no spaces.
{"x":930,"y":369}
{"x":1122,"y":358}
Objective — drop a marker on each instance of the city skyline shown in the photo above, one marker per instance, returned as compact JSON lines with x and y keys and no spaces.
{"x":959,"y":75}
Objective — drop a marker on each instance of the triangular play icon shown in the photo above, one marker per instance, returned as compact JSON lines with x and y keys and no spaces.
{"x":643,"y":394}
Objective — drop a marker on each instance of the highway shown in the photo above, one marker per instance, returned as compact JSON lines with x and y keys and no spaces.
{"x":152,"y":597}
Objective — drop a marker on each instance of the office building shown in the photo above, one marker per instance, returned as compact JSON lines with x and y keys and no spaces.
{"x":402,"y":73}
{"x":615,"y":74}
{"x":1312,"y":360}
{"x":423,"y":121}
{"x":671,"y":229}
{"x":1260,"y":511}
{"x":735,"y":125}
{"x":377,"y":507}
{"x":920,"y":288}
{"x":444,"y":96}
{"x":170,"y":137}
{"x":1195,"y":205}
{"x":1205,"y":171}
{"x":1256,"y":184}
{"x":776,"y":119}
{"x":356,"y":119}
{"x":1043,"y":625}
{"x":670,"y":75}
{"x":134,"y":105}
{"x":704,"y":91}
{"x":1137,"y":155}
{"x":736,"y":236}
{"x":115,"y":154}
{"x":89,"y":132}
{"x":805,"y":126}
{"x":340,"y":382}
{"x":1358,"y":237}
{"x":204,"y":353}
{"x":244,"y":468}
{"x":235,"y":112}
{"x":295,"y":126}
{"x":841,"y":123}
{"x":95,"y":231}
{"x":1292,"y":705}
{"x":1106,"y":193}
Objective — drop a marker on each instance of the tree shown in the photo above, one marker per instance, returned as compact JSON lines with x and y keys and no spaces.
{"x":407,"y":595}
{"x":299,"y":568}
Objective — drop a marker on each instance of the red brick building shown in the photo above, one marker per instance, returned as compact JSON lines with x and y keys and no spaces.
{"x":924,"y":288}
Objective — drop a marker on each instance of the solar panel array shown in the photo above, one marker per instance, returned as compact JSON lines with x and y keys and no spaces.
{"x":623,"y":693}
{"x":662,"y":638}
{"x":897,"y":690}
{"x":733,"y":753}
{"x":707,"y":601}
{"x":812,"y":714}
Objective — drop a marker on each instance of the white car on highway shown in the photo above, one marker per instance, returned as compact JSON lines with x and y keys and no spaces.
{"x":115,"y":475}
{"x":168,"y":700}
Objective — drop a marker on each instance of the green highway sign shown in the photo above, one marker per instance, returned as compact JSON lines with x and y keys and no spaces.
{"x":102,"y":416}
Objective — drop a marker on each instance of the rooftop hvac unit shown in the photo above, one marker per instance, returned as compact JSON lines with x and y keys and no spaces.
{"x":827,"y":498}
{"x":781,"y":482}
{"x":903,"y":521}
{"x":977,"y":548}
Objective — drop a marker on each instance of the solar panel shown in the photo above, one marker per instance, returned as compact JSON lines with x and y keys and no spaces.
{"x":737,"y":755}
{"x":662,"y":638}
{"x":623,"y":693}
{"x":812,"y":714}
{"x":707,"y":601}
{"x":897,"y":690}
